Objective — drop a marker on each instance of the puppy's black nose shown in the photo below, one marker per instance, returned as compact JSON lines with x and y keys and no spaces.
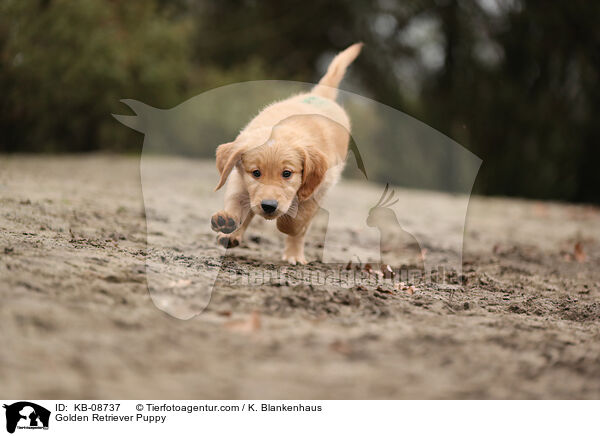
{"x":269,"y":206}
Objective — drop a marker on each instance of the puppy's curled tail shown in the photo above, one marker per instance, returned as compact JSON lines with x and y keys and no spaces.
{"x":327,"y":86}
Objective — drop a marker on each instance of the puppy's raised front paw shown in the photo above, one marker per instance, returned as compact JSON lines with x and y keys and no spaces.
{"x":223,"y":222}
{"x":228,"y":241}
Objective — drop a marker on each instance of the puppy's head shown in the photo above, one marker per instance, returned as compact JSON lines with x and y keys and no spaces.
{"x":277,"y":174}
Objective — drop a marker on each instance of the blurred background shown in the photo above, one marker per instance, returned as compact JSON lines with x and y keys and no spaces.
{"x":514,"y":81}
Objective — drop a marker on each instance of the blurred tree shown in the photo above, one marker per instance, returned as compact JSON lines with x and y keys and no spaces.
{"x":517,"y":87}
{"x":65,"y":65}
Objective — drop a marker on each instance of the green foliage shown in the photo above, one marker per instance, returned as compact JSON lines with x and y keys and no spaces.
{"x":66,"y":64}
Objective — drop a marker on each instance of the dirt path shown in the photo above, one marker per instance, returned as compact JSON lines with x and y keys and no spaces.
{"x":76,"y":319}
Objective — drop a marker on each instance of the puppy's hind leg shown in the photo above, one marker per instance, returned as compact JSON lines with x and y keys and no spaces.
{"x":237,"y":206}
{"x":234,"y":239}
{"x":295,"y":228}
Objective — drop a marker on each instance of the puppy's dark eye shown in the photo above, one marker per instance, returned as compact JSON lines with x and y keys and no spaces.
{"x":286,"y":174}
{"x":256,"y":173}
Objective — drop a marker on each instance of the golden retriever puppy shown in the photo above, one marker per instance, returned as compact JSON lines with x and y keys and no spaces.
{"x":283,"y":162}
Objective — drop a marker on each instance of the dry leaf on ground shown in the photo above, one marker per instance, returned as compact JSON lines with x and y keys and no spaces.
{"x":387,"y":271}
{"x":383,"y":290}
{"x":410,"y":290}
{"x":249,"y":325}
{"x":578,"y":253}
{"x":340,"y":347}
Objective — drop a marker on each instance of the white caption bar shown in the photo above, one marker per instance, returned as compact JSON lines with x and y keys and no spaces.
{"x":156,"y":417}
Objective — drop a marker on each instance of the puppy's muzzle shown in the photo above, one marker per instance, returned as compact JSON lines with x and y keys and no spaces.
{"x":268,"y":206}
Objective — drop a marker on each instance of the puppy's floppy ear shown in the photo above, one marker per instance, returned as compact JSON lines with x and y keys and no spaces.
{"x":228,"y":155}
{"x":315,"y":167}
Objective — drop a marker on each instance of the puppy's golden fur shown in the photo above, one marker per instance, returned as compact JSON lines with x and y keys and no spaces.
{"x":284,"y":161}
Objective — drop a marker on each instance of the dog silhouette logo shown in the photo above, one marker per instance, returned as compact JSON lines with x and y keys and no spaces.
{"x":183,"y":261}
{"x":26,"y":415}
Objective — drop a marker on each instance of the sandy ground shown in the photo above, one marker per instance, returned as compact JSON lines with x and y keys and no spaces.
{"x":77,"y":320}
